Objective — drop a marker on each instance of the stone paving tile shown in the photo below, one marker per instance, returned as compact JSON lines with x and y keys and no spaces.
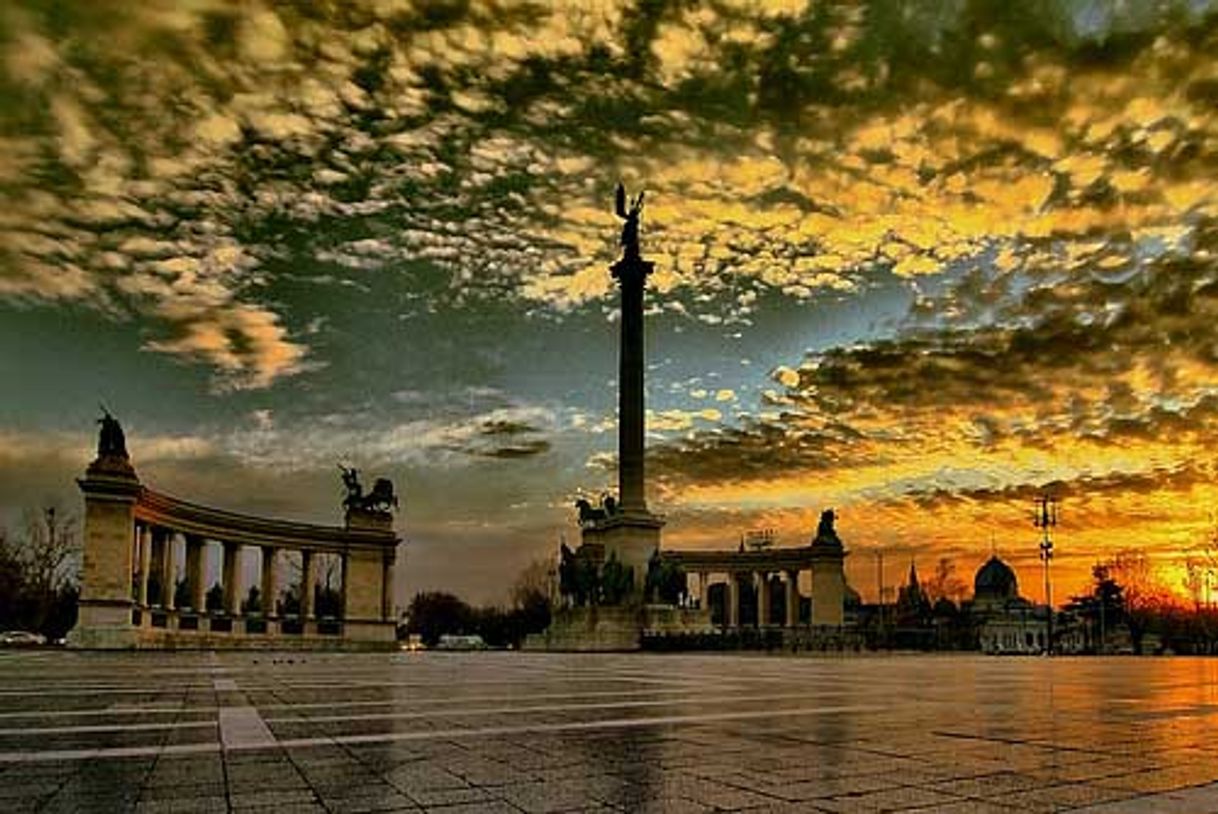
{"x":899,"y":799}
{"x":963,"y":807}
{"x":491,"y":807}
{"x":183,"y":805}
{"x":1058,"y":798}
{"x":448,"y":797}
{"x":928,"y":730}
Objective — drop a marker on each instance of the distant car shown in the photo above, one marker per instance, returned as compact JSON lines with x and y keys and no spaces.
{"x":412,"y":642}
{"x":21,"y":638}
{"x":452,"y":642}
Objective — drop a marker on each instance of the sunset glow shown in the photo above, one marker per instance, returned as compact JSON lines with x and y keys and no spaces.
{"x":916,"y":262}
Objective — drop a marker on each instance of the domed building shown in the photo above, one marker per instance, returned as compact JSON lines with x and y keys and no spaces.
{"x":1006,"y":622}
{"x":995,"y":584}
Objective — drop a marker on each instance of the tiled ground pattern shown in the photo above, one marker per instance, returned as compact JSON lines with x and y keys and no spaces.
{"x":507,"y":732}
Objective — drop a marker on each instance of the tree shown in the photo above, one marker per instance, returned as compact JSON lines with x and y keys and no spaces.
{"x":253,"y":601}
{"x":50,"y":543}
{"x":1145,"y":597}
{"x":531,"y":597}
{"x":38,"y":574}
{"x":435,"y":613}
{"x":1107,"y":602}
{"x":944,"y":584}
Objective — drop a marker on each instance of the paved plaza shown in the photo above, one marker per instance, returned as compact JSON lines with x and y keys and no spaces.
{"x":508,"y":732}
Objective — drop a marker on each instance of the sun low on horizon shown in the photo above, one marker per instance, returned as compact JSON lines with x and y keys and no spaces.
{"x":918,"y":262}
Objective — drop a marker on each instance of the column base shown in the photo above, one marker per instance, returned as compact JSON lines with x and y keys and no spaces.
{"x":104,"y":625}
{"x":630,"y":536}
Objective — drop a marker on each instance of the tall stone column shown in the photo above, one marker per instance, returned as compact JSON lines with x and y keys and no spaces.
{"x":168,"y":570}
{"x":270,"y":581}
{"x":703,"y":590}
{"x":733,"y":600}
{"x":308,"y":578}
{"x":145,"y":561}
{"x":763,"y":599}
{"x":631,"y":273}
{"x":792,"y":598}
{"x":194,"y":572}
{"x":232,"y":578}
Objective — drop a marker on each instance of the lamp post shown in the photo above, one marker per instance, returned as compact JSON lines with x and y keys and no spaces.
{"x":1046,"y":519}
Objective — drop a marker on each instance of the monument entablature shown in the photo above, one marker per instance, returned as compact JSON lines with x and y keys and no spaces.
{"x":145,"y":581}
{"x":159,"y":509}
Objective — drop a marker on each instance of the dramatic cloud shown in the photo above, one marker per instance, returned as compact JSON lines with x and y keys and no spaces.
{"x":972,"y":244}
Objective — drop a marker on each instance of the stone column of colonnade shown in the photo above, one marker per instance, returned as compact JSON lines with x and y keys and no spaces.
{"x":732,"y":613}
{"x":229,"y":577}
{"x":763,"y":598}
{"x":270,"y":586}
{"x":196,"y":584}
{"x":168,"y":569}
{"x":145,"y":548}
{"x":308,"y":578}
{"x":792,"y":597}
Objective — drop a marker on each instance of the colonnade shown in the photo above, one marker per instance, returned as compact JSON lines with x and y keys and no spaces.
{"x":156,"y":552}
{"x":761,"y":581}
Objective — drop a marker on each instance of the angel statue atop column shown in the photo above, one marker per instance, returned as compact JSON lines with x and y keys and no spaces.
{"x":630,"y":229}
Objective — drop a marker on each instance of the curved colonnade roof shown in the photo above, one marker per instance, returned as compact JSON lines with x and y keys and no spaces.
{"x":160,"y":509}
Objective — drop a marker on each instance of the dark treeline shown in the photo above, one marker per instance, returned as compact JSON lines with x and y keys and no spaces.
{"x":434,"y":614}
{"x":38,"y":584}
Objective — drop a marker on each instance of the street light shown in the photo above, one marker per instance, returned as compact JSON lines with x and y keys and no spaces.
{"x":1045,"y":519}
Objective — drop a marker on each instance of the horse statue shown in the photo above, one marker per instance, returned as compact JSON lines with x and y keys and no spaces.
{"x":589,"y":514}
{"x":381,"y":498}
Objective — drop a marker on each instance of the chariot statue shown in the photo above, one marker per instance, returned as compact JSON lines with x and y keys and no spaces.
{"x":381,"y":499}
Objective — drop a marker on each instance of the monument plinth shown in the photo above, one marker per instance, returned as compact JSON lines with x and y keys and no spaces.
{"x":828,"y":557}
{"x":111,"y":490}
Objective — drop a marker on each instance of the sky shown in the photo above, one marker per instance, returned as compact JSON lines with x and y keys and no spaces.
{"x":915,"y":261}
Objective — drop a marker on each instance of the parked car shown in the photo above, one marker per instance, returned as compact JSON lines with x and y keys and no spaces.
{"x":21,"y":638}
{"x":453,"y":642}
